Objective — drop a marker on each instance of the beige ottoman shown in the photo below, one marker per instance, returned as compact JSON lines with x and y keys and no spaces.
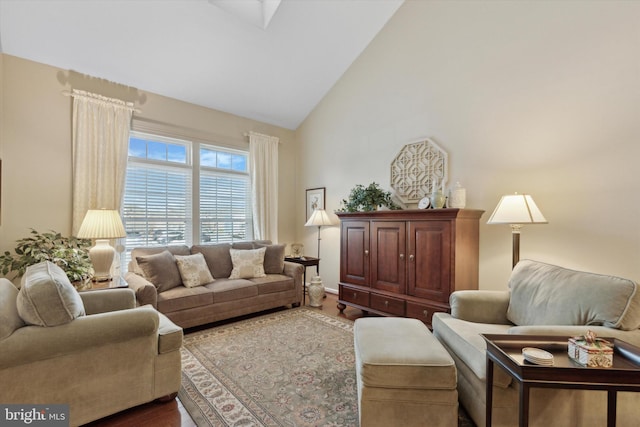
{"x":404,"y":375}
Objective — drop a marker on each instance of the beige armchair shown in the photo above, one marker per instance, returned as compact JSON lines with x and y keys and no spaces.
{"x":108,"y":356}
{"x":542,"y":299}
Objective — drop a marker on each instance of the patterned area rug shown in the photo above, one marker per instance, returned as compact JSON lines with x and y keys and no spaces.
{"x":290,"y":368}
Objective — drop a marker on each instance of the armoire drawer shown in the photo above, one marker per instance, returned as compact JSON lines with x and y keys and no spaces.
{"x":355,"y":296}
{"x":423,"y":312}
{"x":388,"y":305}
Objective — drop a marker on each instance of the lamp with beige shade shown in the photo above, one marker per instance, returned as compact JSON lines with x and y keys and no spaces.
{"x":102,"y":225}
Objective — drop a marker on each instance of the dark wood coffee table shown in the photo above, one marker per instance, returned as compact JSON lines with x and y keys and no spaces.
{"x":506,"y":351}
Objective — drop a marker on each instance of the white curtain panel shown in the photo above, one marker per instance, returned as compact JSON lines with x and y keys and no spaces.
{"x":263,"y":158}
{"x":100,"y":149}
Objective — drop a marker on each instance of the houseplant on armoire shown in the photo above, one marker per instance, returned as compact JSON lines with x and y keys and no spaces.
{"x":367,"y":199}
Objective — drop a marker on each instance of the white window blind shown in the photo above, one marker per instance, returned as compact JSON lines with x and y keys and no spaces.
{"x":225,"y":204}
{"x":157,"y":205}
{"x":225,"y":214}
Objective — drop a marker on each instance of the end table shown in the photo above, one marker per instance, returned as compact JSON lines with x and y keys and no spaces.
{"x":117,"y":282}
{"x":306,"y":261}
{"x":506,"y":352}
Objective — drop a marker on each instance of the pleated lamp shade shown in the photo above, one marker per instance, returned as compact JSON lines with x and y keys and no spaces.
{"x":102,"y":225}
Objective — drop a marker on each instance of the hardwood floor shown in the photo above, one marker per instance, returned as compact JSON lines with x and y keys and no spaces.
{"x":173,"y":414}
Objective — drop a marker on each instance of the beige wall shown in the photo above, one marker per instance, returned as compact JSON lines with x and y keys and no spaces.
{"x":1,"y":128}
{"x":36,"y":143}
{"x":534,"y":97}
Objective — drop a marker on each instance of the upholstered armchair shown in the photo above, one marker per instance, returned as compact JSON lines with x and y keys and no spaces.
{"x":542,"y":299}
{"x":93,"y":350}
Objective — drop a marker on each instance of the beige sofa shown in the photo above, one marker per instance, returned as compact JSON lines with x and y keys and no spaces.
{"x":61,"y":347}
{"x":542,"y":300}
{"x":156,"y":277}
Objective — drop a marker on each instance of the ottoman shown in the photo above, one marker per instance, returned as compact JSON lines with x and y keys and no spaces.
{"x":404,"y":375}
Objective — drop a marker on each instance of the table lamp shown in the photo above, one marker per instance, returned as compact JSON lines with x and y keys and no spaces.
{"x":516,"y":210}
{"x":101,"y":225}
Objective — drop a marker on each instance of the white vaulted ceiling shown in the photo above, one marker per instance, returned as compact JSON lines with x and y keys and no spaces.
{"x":207,"y":52}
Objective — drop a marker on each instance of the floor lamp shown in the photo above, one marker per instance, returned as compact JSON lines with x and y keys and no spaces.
{"x":319,"y":218}
{"x":102,"y":225}
{"x":516,"y":210}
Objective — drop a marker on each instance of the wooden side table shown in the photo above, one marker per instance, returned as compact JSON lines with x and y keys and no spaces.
{"x":506,"y":352}
{"x":306,"y":261}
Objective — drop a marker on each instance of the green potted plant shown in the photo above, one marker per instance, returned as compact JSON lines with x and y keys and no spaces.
{"x":69,"y":253}
{"x":367,"y":199}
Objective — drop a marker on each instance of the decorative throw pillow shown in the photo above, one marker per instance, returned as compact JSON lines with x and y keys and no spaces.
{"x":161,"y":270}
{"x":273,"y":258}
{"x":193,"y":270}
{"x":247,"y":263}
{"x":217,"y":257}
{"x":146,"y":251}
{"x":47,"y":297}
{"x":244,"y":245}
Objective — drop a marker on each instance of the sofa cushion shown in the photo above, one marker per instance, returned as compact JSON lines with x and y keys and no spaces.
{"x":273,"y":258}
{"x":182,"y":298}
{"x":273,"y":283}
{"x":544,"y":294}
{"x":193,"y":270}
{"x":464,"y":339}
{"x":243,"y":245}
{"x":10,"y":320}
{"x":161,"y":270}
{"x":225,"y":290}
{"x":250,"y":244}
{"x":217,"y":257}
{"x":247,"y":263}
{"x":47,"y":297}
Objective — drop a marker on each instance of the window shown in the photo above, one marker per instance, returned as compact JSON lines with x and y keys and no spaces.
{"x":184,"y":192}
{"x":225,"y":211}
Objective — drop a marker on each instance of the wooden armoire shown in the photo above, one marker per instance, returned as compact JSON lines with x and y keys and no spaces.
{"x":407,"y":262}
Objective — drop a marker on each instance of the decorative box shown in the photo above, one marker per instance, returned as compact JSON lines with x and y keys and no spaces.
{"x":590,"y":351}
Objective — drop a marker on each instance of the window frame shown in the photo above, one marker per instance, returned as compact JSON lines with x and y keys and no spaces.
{"x":192,"y":163}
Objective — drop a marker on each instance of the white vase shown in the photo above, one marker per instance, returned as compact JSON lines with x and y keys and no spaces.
{"x":316,"y":292}
{"x":457,"y":197}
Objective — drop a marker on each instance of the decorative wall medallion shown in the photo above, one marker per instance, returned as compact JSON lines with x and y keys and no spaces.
{"x":418,"y":168}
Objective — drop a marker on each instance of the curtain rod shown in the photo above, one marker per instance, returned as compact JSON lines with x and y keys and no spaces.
{"x":71,"y":94}
{"x":248,"y":134}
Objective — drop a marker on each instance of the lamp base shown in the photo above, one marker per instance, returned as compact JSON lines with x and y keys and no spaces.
{"x":102,"y":255}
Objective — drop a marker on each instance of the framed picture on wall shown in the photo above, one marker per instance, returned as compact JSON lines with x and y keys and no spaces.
{"x":315,"y":200}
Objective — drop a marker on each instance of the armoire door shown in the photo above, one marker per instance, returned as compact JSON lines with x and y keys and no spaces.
{"x":429,"y":260}
{"x":354,"y":252}
{"x":388,"y":247}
